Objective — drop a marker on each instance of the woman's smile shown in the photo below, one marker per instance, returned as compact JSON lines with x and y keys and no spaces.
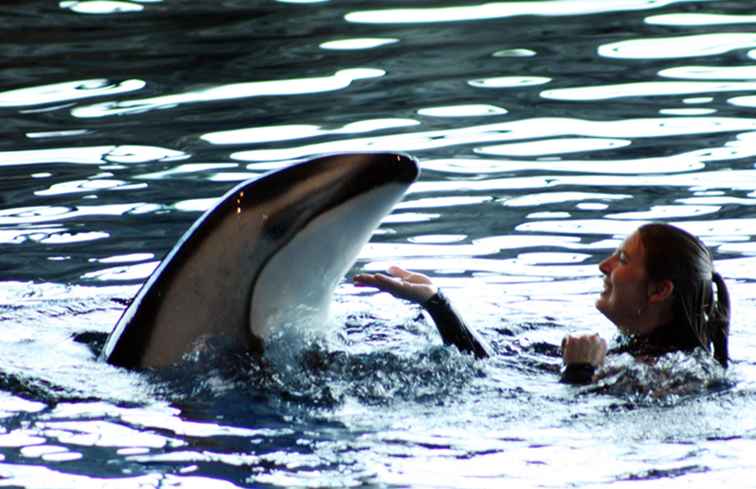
{"x":607,"y":286}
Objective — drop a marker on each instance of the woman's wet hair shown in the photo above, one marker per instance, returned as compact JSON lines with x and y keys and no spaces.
{"x":676,"y":255}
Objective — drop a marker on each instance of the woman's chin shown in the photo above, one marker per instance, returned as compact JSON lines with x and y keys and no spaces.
{"x":601,"y":304}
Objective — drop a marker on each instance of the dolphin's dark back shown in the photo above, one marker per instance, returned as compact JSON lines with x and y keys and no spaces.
{"x":203,"y":286}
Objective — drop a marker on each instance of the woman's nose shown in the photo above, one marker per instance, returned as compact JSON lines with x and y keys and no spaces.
{"x":606,"y":265}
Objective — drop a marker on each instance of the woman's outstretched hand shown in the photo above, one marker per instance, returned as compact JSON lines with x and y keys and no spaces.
{"x":401,"y":283}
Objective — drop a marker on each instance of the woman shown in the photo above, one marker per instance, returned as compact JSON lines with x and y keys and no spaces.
{"x":658,"y":291}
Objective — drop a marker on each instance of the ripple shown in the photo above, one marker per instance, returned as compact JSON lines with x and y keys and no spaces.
{"x":472,"y":110}
{"x":580,"y":227}
{"x":67,"y":91}
{"x":103,"y":434}
{"x":82,"y":186}
{"x":169,"y":420}
{"x":511,"y":131}
{"x":703,"y":19}
{"x":101,"y":7}
{"x":437,"y":238}
{"x":49,"y":452}
{"x":745,"y":101}
{"x":667,"y":212}
{"x":236,"y":459}
{"x":45,"y":214}
{"x":459,"y":263}
{"x":267,"y":134}
{"x":294,"y":86}
{"x":133,"y":257}
{"x":679,"y":47}
{"x":670,"y":164}
{"x":711,"y":72}
{"x":91,"y":155}
{"x":729,"y":180}
{"x":58,"y":134}
{"x":436,"y":202}
{"x":509,"y":81}
{"x":497,"y":10}
{"x":409,"y":217}
{"x":375,"y":251}
{"x":698,"y":100}
{"x":38,"y":477}
{"x":190,"y":168}
{"x":125,"y":273}
{"x":10,"y":405}
{"x":644,"y":89}
{"x":687,"y":112}
{"x":553,"y":147}
{"x":73,"y":237}
{"x":726,"y":230}
{"x":548,"y":258}
{"x":547,"y":198}
{"x":358,"y":43}
{"x":20,"y":438}
{"x":195,"y":205}
{"x":518,"y":241}
{"x":514,"y":53}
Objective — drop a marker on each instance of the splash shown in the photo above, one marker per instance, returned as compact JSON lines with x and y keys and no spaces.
{"x":665,"y":380}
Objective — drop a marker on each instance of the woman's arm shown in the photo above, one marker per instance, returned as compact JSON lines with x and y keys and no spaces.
{"x":452,"y":327}
{"x":418,"y":288}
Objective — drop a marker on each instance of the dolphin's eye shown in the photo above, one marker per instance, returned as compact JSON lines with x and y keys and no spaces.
{"x":278,"y":228}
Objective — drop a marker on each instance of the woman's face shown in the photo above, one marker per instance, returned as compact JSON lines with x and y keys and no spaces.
{"x":625,"y":295}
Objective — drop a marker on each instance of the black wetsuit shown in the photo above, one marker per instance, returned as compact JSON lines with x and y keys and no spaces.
{"x":455,"y":332}
{"x":453,"y":329}
{"x":662,"y":340}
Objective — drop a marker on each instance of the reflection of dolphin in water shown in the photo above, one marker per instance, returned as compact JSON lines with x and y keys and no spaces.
{"x":270,"y":252}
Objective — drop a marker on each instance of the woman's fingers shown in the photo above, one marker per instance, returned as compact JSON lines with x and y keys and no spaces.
{"x":374,"y":280}
{"x":413,"y":277}
{"x":401,"y":283}
{"x":378,"y":280}
{"x":397,"y":271}
{"x":585,"y":348}
{"x":389,"y":284}
{"x":365,"y":279}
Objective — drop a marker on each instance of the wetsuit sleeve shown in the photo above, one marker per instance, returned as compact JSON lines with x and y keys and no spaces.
{"x":453,"y":329}
{"x":578,"y":373}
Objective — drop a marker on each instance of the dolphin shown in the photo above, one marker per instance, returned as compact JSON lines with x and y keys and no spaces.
{"x":271,"y":251}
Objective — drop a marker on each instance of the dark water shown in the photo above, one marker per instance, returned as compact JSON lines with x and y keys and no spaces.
{"x":546,"y":131}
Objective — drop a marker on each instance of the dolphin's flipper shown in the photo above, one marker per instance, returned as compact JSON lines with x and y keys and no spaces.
{"x":271,"y":251}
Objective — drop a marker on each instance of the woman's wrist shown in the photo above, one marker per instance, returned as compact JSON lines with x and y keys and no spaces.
{"x":578,"y":373}
{"x":433,"y":294}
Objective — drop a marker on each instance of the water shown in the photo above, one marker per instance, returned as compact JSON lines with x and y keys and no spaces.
{"x":546,"y":132}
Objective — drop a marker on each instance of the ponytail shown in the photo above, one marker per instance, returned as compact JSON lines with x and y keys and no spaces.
{"x":718,"y":325}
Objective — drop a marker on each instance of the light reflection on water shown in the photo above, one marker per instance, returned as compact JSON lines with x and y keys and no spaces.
{"x":338,"y":81}
{"x":546,"y":131}
{"x":68,"y":91}
{"x":690,"y":20}
{"x":501,"y":9}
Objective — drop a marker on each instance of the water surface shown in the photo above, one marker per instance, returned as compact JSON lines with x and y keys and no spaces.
{"x":546,"y":130}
